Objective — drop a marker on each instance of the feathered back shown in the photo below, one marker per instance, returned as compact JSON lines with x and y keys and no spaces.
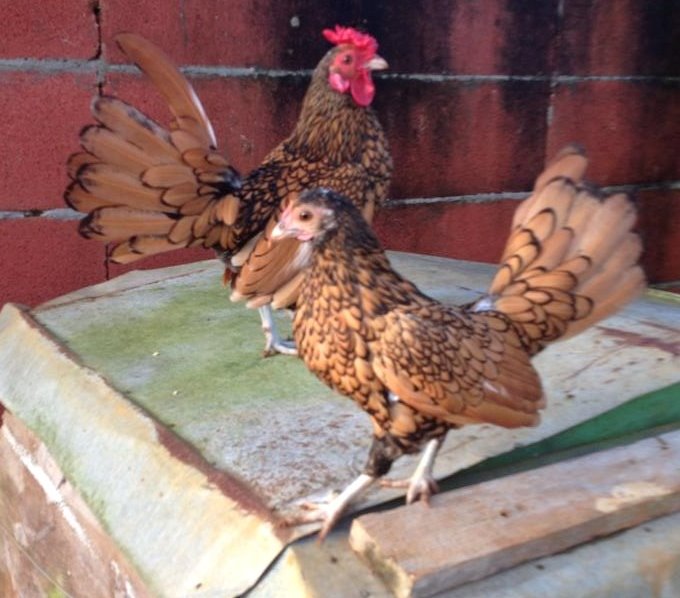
{"x":571,"y":258}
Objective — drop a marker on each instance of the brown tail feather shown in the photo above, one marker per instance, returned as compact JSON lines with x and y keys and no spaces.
{"x":143,"y":246}
{"x":569,"y":163}
{"x":571,"y":258}
{"x":174,"y":87}
{"x":147,"y":188}
{"x":116,"y":224}
{"x":114,"y":186}
{"x":135,"y":127}
{"x":77,"y":161}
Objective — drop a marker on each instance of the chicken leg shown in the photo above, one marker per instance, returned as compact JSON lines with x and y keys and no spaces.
{"x":273,"y":341}
{"x":330,"y":511}
{"x":422,"y":484}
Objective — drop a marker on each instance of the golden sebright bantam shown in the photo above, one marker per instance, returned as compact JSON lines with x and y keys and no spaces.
{"x":420,"y":368}
{"x":148,"y":189}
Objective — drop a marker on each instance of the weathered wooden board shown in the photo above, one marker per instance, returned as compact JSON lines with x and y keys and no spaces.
{"x":641,"y":562}
{"x":43,"y":520}
{"x":476,"y":531}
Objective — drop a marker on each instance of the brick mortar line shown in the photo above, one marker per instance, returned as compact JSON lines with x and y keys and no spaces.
{"x":469,"y":78}
{"x":32,"y":65}
{"x":69,"y":214}
{"x":50,"y":214}
{"x":200,"y":71}
{"x":519,"y":195}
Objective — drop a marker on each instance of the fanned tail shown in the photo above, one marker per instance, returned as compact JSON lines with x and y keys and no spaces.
{"x":148,"y":189}
{"x":571,"y":259}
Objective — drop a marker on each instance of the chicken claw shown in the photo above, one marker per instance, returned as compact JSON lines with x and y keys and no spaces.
{"x":332,"y":510}
{"x":421,"y":485}
{"x":273,"y":342}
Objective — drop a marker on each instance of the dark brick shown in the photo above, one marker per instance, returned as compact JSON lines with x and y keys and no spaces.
{"x":468,"y":231}
{"x":658,"y":224}
{"x":478,"y":231}
{"x":449,"y":36}
{"x":448,"y":138}
{"x":214,"y":32}
{"x":620,"y":37}
{"x":451,"y":138}
{"x":54,"y":29}
{"x":41,"y":115}
{"x":43,"y":258}
{"x":494,"y":37}
{"x":627,"y":127}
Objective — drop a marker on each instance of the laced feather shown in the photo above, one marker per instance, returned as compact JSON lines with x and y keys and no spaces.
{"x":574,"y":253}
{"x":136,"y":178}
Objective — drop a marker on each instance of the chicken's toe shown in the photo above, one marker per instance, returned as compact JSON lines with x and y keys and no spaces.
{"x":330,"y":511}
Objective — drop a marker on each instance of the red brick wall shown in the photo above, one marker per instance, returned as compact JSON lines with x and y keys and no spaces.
{"x":478,"y":94}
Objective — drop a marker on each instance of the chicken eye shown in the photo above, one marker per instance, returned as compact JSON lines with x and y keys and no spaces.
{"x":305,"y":216}
{"x":347,"y":59}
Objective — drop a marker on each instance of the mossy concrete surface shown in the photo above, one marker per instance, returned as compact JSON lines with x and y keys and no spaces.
{"x":173,"y":343}
{"x":187,"y":529}
{"x":177,"y":365}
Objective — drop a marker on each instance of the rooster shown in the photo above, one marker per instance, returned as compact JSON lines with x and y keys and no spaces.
{"x":147,"y":189}
{"x":420,"y":368}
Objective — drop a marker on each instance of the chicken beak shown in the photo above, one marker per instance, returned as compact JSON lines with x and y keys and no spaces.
{"x":278,"y":232}
{"x":377,"y":63}
{"x":282,"y":228}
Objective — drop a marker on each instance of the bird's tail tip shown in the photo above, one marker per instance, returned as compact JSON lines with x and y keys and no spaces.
{"x":572,"y":257}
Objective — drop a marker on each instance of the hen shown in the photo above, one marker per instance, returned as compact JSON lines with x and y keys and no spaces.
{"x":420,"y":368}
{"x":147,"y":189}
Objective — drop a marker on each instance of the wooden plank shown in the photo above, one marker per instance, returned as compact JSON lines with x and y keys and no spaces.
{"x":50,"y":542}
{"x":473,"y":532}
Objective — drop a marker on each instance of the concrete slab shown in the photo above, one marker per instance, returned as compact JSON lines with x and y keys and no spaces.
{"x":171,"y":341}
{"x":151,"y":394}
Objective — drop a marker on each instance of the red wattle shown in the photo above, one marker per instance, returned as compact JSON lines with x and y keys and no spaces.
{"x":363,"y":90}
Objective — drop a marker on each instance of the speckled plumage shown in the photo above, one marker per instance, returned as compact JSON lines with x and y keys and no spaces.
{"x":147,"y":190}
{"x":420,"y":368}
{"x":366,"y":332}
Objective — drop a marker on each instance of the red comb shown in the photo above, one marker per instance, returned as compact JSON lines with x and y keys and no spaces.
{"x":348,"y":35}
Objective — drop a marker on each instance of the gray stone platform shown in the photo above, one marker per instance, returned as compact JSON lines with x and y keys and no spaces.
{"x":149,"y":395}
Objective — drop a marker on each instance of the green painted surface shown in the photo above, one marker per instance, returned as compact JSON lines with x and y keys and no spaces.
{"x":648,"y":415}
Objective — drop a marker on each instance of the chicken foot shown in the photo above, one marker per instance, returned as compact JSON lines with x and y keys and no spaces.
{"x":421,"y":485}
{"x":329,"y":511}
{"x":273,"y":342}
